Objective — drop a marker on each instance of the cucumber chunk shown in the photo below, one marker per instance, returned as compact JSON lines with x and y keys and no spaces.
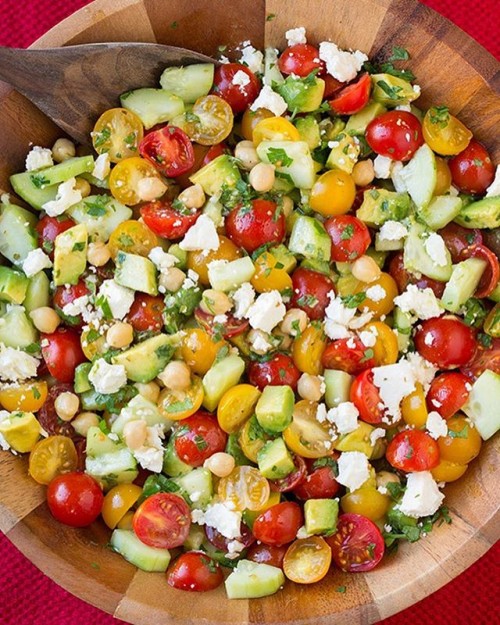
{"x":310,"y":239}
{"x":188,"y":83}
{"x":338,"y":385}
{"x":145,"y":360}
{"x":482,"y":404}
{"x":102,"y":214}
{"x":16,"y":330}
{"x":417,"y":260}
{"x":220,"y":378}
{"x":172,"y":464}
{"x":442,"y":210}
{"x":17,"y":233}
{"x":136,"y":552}
{"x":152,"y":106}
{"x":198,"y":486}
{"x":229,"y":276}
{"x":420,"y":176}
{"x":38,"y":292}
{"x":251,"y":580}
{"x":292,"y":159}
{"x":271,"y":72}
{"x":138,"y":408}
{"x":109,"y":461}
{"x":463,"y":282}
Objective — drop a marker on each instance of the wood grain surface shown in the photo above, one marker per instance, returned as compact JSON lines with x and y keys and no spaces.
{"x":451,"y":69}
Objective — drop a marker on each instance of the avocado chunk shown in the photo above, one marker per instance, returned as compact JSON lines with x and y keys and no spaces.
{"x":13,"y":285}
{"x":310,"y":239}
{"x":220,"y":174}
{"x":275,"y":408}
{"x":102,"y":214}
{"x":144,"y":361}
{"x":144,"y":557}
{"x":152,"y":106}
{"x":302,"y":95}
{"x":359,"y":440}
{"x":21,"y":430}
{"x":357,"y":123}
{"x":319,"y":266}
{"x":392,"y":91}
{"x":181,"y":255}
{"x":484,"y":213}
{"x":190,"y":82}
{"x":321,"y":516}
{"x":82,"y":382}
{"x":283,"y":255}
{"x":38,"y":292}
{"x":417,"y":260}
{"x":70,"y":255}
{"x":380,"y":205}
{"x":17,"y":233}
{"x":465,"y":277}
{"x":221,"y":376}
{"x":292,"y":159}
{"x":16,"y":329}
{"x":172,"y":464}
{"x":109,"y":461}
{"x":309,"y":131}
{"x":344,"y":154}
{"x":136,"y":272}
{"x":274,"y":460}
{"x":250,"y":580}
{"x":482,"y":404}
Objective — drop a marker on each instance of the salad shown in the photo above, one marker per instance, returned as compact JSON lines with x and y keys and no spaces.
{"x":257,"y":328}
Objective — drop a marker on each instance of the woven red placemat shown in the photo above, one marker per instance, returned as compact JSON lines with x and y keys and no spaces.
{"x":27,"y":597}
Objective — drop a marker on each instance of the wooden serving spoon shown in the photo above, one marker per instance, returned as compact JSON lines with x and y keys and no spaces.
{"x":73,"y":85}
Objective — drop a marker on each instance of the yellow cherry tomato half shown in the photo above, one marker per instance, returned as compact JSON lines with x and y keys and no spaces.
{"x":245,"y":488}
{"x":444,"y":133}
{"x":249,"y":442}
{"x":93,"y":344}
{"x":333,"y":193}
{"x":213,"y":120}
{"x":307,"y":560}
{"x":177,"y":405}
{"x":236,"y":406}
{"x":463,"y":442}
{"x":199,"y":350}
{"x":132,"y":237}
{"x":118,"y":133}
{"x":198,"y":261}
{"x":250,"y":119}
{"x":385,"y":350}
{"x":308,"y":348}
{"x":118,"y":501}
{"x":305,"y":436}
{"x":447,"y":471}
{"x":443,"y":177}
{"x":366,"y":501}
{"x":274,"y":129}
{"x":52,"y":456}
{"x":125,"y":177}
{"x":269,"y":274}
{"x":380,"y":294}
{"x":414,"y":408}
{"x":25,"y":397}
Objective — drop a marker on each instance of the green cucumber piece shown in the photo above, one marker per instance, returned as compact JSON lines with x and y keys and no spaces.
{"x":13,"y":285}
{"x":138,"y":408}
{"x":221,"y":377}
{"x":420,"y":176}
{"x":38,"y":292}
{"x":321,"y":516}
{"x":310,"y":239}
{"x":274,"y":408}
{"x":144,"y":557}
{"x":16,"y":329}
{"x":482,"y":404}
{"x":462,"y":284}
{"x":274,"y":460}
{"x":250,"y":580}
{"x":292,"y":159}
{"x":136,"y":272}
{"x":417,"y":260}
{"x":152,"y":106}
{"x":484,"y":213}
{"x":495,"y":294}
{"x":70,"y":255}
{"x":387,"y":245}
{"x":271,"y":72}
{"x":198,"y":486}
{"x":190,"y":82}
{"x":144,"y":361}
{"x":309,"y":131}
{"x":403,"y":325}
{"x":109,"y":461}
{"x":338,"y":385}
{"x":220,"y":174}
{"x":441,"y":210}
{"x":102,"y":214}
{"x":17,"y":233}
{"x":231,"y":275}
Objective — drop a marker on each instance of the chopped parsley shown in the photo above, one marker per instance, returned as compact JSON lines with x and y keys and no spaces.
{"x":279,"y":157}
{"x":393,"y":92}
{"x":439,"y":116}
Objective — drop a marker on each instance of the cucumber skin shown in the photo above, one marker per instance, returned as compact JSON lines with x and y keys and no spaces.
{"x":482,"y":404}
{"x":246,"y":581}
{"x":188,"y":83}
{"x":462,"y":284}
{"x":136,"y":552}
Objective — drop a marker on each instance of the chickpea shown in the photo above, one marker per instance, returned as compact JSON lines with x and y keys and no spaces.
{"x":45,"y":319}
{"x":83,"y":186}
{"x":310,"y":387}
{"x":386,"y":477}
{"x":363,"y":173}
{"x":135,"y":434}
{"x":193,"y":197}
{"x":172,"y":279}
{"x":215,"y":302}
{"x":365,"y":269}
{"x":246,"y":153}
{"x":84,"y":421}
{"x":98,"y":254}
{"x":285,"y":340}
{"x":150,"y":391}
{"x":176,"y":376}
{"x":287,"y":205}
{"x":149,"y":189}
{"x":66,"y":405}
{"x":262,"y":177}
{"x":294,"y":322}
{"x":120,"y":335}
{"x":220,"y":464}
{"x":62,"y":150}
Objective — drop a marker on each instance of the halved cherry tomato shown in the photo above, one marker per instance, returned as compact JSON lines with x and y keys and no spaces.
{"x":486,"y":357}
{"x":443,"y":177}
{"x":48,"y":228}
{"x":163,"y":521}
{"x":305,"y":436}
{"x":118,"y":133}
{"x":388,"y":289}
{"x":279,"y":524}
{"x":357,"y":545}
{"x":74,"y":499}
{"x":236,"y":406}
{"x":320,"y":483}
{"x":349,"y":355}
{"x":52,"y":456}
{"x":47,"y":415}
{"x":444,"y":133}
{"x":146,"y":313}
{"x":307,"y":560}
{"x":169,"y":150}
{"x":200,"y":259}
{"x":365,"y":396}
{"x":126,"y":176}
{"x":491,"y":274}
{"x":62,"y":353}
{"x":213,"y":120}
{"x":472,"y":170}
{"x":446,"y":342}
{"x":167,"y":222}
{"x":178,"y":405}
{"x":300,"y":59}
{"x":333,"y":193}
{"x":367,"y":502}
{"x":132,"y":237}
{"x":250,"y":119}
{"x":24,"y":397}
{"x":395,"y":134}
{"x":310,"y":292}
{"x":267,"y":554}
{"x":199,"y":351}
{"x":238,"y":94}
{"x":386,"y":344}
{"x":66,"y":294}
{"x":244,"y":487}
{"x":278,"y":370}
{"x":230,"y":328}
{"x":118,"y":501}
{"x":403,"y":277}
{"x":273,"y":129}
{"x":332,"y":86}
{"x":462,"y":443}
{"x":352,"y":98}
{"x":491,"y":238}
{"x":457,"y":239}
{"x":350,"y":237}
{"x":291,"y":481}
{"x":198,"y":437}
{"x":448,"y":393}
{"x":308,"y":348}
{"x":196,"y":572}
{"x":413,"y":450}
{"x":251,"y":227}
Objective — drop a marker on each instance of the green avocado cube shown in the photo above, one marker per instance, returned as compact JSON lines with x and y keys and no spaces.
{"x":70,"y":255}
{"x":275,"y":408}
{"x":321,"y":516}
{"x":274,"y":460}
{"x":144,"y":361}
{"x":13,"y":285}
{"x":380,"y":205}
{"x":136,"y":272}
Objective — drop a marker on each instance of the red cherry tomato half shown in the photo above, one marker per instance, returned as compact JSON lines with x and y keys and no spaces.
{"x":292,"y":480}
{"x":349,"y":355}
{"x":350,"y":237}
{"x":213,"y":152}
{"x":238,"y":90}
{"x":310,"y":292}
{"x":48,"y":228}
{"x":196,"y":572}
{"x":395,"y":134}
{"x":366,"y":397}
{"x":403,"y":277}
{"x":357,"y":545}
{"x":75,"y":499}
{"x":62,"y":353}
{"x":231,"y":327}
{"x":267,"y":554}
{"x":278,"y":371}
{"x":66,"y":294}
{"x":319,"y":484}
{"x":332,"y":85}
{"x":472,"y":170}
{"x":446,"y":342}
{"x":491,"y":274}
{"x":457,"y":239}
{"x":47,"y":415}
{"x":162,"y":520}
{"x":300,"y":59}
{"x":198,"y":437}
{"x":352,"y":98}
{"x":222,"y":543}
{"x":487,"y":357}
{"x":146,"y":313}
{"x":167,"y":222}
{"x":448,"y":393}
{"x":279,"y":524}
{"x":413,"y":450}
{"x":253,"y":227}
{"x":169,"y":149}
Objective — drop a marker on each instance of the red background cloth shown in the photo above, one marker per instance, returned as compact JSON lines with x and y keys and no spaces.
{"x":27,"y":597}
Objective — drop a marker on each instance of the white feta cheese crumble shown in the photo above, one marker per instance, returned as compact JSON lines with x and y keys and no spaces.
{"x":150,"y":455}
{"x":422,"y":496}
{"x":392,"y":231}
{"x":198,"y":516}
{"x":253,"y":58}
{"x":420,"y":302}
{"x":436,"y":248}
{"x":368,"y":337}
{"x":106,"y":378}
{"x":376,"y":293}
{"x":494,"y":188}
{"x":35,"y":262}
{"x":344,"y":417}
{"x":224,"y":520}
{"x":376,"y":434}
{"x":302,"y":532}
{"x":436,"y":425}
{"x":66,"y":197}
{"x":241,"y":79}
{"x":258,"y":342}
{"x":382,"y":166}
{"x":243,"y":298}
{"x":295,"y":36}
{"x":16,"y":365}
{"x":321,"y":413}
{"x":341,"y":64}
{"x":353,"y":469}
{"x":119,"y":298}
{"x":270,"y":100}
{"x":102,"y":166}
{"x":38,"y":158}
{"x":234,"y":548}
{"x":162,"y":260}
{"x":201,"y":236}
{"x":267,"y":311}
{"x":339,"y":319}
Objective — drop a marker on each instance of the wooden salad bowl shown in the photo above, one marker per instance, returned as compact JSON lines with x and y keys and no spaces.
{"x":451,"y":68}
